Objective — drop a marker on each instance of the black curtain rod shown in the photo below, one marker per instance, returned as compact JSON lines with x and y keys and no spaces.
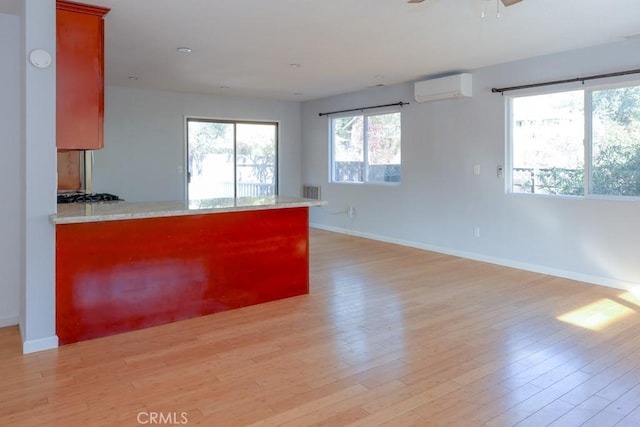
{"x":397,"y":104}
{"x":557,"y":82}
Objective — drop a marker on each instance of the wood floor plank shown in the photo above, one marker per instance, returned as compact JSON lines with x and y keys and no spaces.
{"x":547,"y":414}
{"x":582,"y":413}
{"x":617,"y":410}
{"x":311,"y":407}
{"x":388,"y":336}
{"x":631,"y":420}
{"x":540,"y":400}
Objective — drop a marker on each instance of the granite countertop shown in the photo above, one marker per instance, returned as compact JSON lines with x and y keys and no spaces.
{"x":112,"y":211}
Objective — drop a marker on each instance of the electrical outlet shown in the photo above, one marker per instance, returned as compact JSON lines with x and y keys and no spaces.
{"x":476,"y":232}
{"x":351,"y":211}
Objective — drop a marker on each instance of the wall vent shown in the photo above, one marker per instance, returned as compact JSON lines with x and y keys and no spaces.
{"x":311,"y":192}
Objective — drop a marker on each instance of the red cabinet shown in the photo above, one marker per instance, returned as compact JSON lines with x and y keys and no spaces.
{"x":118,"y":276}
{"x":79,"y":76}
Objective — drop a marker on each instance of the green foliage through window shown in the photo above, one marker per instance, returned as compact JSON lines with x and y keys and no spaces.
{"x":366,"y":148}
{"x":231,"y":158}
{"x":548,"y":153}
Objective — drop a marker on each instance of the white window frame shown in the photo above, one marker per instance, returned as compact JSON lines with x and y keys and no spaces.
{"x":365,"y":147}
{"x":588,"y":89}
{"x":235,"y":122}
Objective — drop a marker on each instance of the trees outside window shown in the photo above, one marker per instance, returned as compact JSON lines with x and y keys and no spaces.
{"x":366,"y":148}
{"x":577,"y":142}
{"x":231,"y":158}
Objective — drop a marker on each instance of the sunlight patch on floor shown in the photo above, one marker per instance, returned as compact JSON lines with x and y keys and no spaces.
{"x":632,"y":297}
{"x":598,"y":315}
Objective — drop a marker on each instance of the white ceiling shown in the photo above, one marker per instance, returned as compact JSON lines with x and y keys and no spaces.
{"x":245,"y":47}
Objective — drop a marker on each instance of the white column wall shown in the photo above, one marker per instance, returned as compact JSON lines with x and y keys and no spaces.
{"x":38,"y":181}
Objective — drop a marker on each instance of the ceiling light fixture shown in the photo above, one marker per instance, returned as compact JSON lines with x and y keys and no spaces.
{"x":133,"y":78}
{"x":184,"y":49}
{"x":294,"y":65}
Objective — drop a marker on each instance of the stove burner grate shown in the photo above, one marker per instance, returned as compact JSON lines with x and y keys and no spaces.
{"x":88,"y":198}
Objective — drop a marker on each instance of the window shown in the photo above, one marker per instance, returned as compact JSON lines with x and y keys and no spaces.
{"x":366,"y":148}
{"x":576,"y":142}
{"x":231,"y":159}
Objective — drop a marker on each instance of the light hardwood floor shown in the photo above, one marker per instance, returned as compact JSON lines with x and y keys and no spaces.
{"x":389,"y":336}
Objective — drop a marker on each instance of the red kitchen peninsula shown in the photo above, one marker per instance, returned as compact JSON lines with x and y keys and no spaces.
{"x":125,"y":266}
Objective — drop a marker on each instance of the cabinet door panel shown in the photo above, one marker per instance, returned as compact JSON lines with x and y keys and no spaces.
{"x":69,"y":170}
{"x":80,"y":81}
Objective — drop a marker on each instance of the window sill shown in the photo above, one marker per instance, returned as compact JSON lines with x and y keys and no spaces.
{"x":375,"y":184}
{"x":589,"y":197}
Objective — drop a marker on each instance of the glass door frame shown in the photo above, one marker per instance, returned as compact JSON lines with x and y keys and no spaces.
{"x":187,"y":172}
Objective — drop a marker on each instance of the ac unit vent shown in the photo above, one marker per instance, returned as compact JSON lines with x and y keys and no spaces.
{"x":311,"y":192}
{"x":457,"y":86}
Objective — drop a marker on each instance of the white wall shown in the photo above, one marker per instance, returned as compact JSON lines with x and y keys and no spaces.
{"x":10,"y":208}
{"x":38,"y":178}
{"x":440,"y":201}
{"x":145,"y":143}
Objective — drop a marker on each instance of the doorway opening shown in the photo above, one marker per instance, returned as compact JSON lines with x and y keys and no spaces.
{"x":231,"y":159}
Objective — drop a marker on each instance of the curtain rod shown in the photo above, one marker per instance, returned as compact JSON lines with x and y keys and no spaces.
{"x":397,"y":104}
{"x":557,"y":82}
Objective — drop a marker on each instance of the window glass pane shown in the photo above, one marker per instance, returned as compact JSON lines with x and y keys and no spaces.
{"x":547,"y":144}
{"x":210,"y":159}
{"x":256,"y":159}
{"x":383,"y":147}
{"x":616,"y":141}
{"x":348,"y":149}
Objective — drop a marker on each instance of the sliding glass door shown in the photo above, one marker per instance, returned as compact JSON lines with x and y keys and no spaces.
{"x":231,"y":159}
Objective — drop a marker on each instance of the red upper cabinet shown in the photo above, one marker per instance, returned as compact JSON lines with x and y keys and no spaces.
{"x":79,"y":76}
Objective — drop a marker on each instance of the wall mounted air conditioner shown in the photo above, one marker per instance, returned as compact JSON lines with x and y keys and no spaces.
{"x":456,"y":86}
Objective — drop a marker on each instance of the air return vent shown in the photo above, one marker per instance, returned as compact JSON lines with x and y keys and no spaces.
{"x":311,"y":192}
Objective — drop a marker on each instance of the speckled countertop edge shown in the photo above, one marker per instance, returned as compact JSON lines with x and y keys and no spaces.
{"x":73,"y":213}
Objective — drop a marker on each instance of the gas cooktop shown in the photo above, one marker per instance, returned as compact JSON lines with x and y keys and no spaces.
{"x":87,"y":198}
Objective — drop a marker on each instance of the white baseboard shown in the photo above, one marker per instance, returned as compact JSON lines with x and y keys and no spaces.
{"x":565,"y":274}
{"x":31,"y":346}
{"x":8,"y":321}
